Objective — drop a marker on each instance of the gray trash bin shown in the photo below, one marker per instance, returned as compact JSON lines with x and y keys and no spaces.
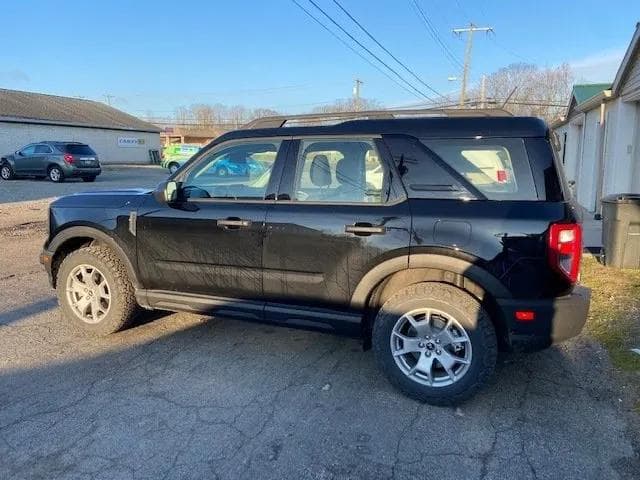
{"x":621,"y":230}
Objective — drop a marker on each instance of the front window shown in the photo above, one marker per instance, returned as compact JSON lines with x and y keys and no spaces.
{"x":339,"y":171}
{"x":28,"y":150}
{"x":237,"y":172}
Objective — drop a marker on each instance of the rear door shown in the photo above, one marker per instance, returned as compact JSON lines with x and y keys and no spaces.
{"x":339,"y":212}
{"x":39,"y":160}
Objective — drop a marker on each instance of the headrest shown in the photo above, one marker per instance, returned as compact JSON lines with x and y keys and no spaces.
{"x":320,"y":171}
{"x":348,"y":171}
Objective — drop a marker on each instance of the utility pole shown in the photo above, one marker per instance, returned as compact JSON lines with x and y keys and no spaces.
{"x":108,"y":98}
{"x":356,"y":93}
{"x":470,"y":30}
{"x":483,"y":92}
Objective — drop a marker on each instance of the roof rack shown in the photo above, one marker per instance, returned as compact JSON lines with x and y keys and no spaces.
{"x":279,"y":121}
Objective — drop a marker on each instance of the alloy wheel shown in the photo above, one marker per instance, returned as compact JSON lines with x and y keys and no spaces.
{"x":431,"y":347}
{"x":55,"y":175}
{"x":88,"y":293}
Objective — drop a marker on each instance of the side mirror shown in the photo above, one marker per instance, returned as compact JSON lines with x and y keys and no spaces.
{"x":19,"y":153}
{"x":167,"y":192}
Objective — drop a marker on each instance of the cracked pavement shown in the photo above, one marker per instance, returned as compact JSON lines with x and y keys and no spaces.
{"x":192,"y":397}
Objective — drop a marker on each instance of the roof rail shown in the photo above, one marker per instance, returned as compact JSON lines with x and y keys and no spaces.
{"x":279,"y":121}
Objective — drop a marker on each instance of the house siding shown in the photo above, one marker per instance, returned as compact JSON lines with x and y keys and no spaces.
{"x":631,"y":87}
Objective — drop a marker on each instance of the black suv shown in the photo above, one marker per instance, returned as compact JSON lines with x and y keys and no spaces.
{"x":55,"y":160}
{"x":439,"y":241}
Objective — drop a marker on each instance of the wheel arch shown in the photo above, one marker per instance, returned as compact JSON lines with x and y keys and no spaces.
{"x":74,"y":238}
{"x":381,"y":282}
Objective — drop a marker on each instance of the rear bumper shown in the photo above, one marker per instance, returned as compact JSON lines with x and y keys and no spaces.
{"x":556,"y":319}
{"x":83,"y":172}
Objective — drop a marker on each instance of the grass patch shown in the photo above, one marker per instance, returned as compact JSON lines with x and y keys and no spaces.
{"x":614,"y":316}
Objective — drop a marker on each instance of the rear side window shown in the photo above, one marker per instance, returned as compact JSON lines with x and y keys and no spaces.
{"x":340,"y":171}
{"x":423,"y":174}
{"x":496,"y":167}
{"x":79,"y":149}
{"x":43,"y":149}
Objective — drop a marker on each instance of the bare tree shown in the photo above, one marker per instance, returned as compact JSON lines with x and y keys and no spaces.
{"x":263,"y":112}
{"x":529,"y":89}
{"x":349,"y":105}
{"x":183,"y":115}
{"x":204,"y":116}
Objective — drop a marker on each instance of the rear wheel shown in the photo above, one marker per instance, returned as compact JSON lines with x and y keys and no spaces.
{"x":55,"y":174}
{"x":435,"y":343}
{"x":6,"y":172}
{"x":95,"y":292}
{"x":89,"y":179}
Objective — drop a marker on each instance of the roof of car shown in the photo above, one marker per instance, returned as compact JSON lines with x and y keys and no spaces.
{"x":435,"y":127}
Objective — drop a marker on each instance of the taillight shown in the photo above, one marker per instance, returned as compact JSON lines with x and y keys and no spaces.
{"x":565,"y":249}
{"x":68,"y":158}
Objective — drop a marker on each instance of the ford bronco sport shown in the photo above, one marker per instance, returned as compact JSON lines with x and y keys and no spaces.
{"x":437,"y":240}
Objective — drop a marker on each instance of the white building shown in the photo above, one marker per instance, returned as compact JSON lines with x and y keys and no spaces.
{"x":600,"y":134}
{"x":117,"y":137}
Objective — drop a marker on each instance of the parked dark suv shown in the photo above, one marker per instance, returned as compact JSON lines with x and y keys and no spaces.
{"x":55,"y":160}
{"x":437,"y":240}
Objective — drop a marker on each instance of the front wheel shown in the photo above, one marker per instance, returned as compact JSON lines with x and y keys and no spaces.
{"x":435,"y":343}
{"x":6,"y":172}
{"x":95,"y":292}
{"x":55,"y":174}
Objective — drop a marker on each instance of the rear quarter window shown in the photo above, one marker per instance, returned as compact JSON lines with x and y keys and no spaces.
{"x":497,"y":167}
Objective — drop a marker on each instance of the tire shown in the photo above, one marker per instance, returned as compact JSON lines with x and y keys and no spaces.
{"x":55,"y":174}
{"x":88,"y":179}
{"x":99,"y":263}
{"x":173,"y":168}
{"x":6,"y":172}
{"x":470,"y":338}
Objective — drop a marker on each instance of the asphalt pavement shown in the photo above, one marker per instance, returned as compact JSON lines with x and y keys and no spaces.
{"x":193,"y":397}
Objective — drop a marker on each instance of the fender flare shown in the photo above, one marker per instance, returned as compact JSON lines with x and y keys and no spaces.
{"x":473,"y":272}
{"x":91,"y":232}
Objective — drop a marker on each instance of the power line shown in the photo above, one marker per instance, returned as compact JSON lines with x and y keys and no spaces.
{"x":350,"y":47}
{"x":413,"y":74}
{"x":369,"y":51}
{"x":434,"y":34}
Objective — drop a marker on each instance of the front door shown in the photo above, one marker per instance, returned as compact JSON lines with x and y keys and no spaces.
{"x":339,"y":212}
{"x":210,"y":241}
{"x":24,"y":162}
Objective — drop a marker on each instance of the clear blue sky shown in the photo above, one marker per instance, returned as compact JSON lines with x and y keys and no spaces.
{"x":153,"y":56}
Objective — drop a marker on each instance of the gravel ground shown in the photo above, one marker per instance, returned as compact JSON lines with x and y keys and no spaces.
{"x":187,"y":396}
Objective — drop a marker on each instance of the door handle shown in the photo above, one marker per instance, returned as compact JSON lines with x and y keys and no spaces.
{"x":364,"y":229}
{"x":233,"y":223}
